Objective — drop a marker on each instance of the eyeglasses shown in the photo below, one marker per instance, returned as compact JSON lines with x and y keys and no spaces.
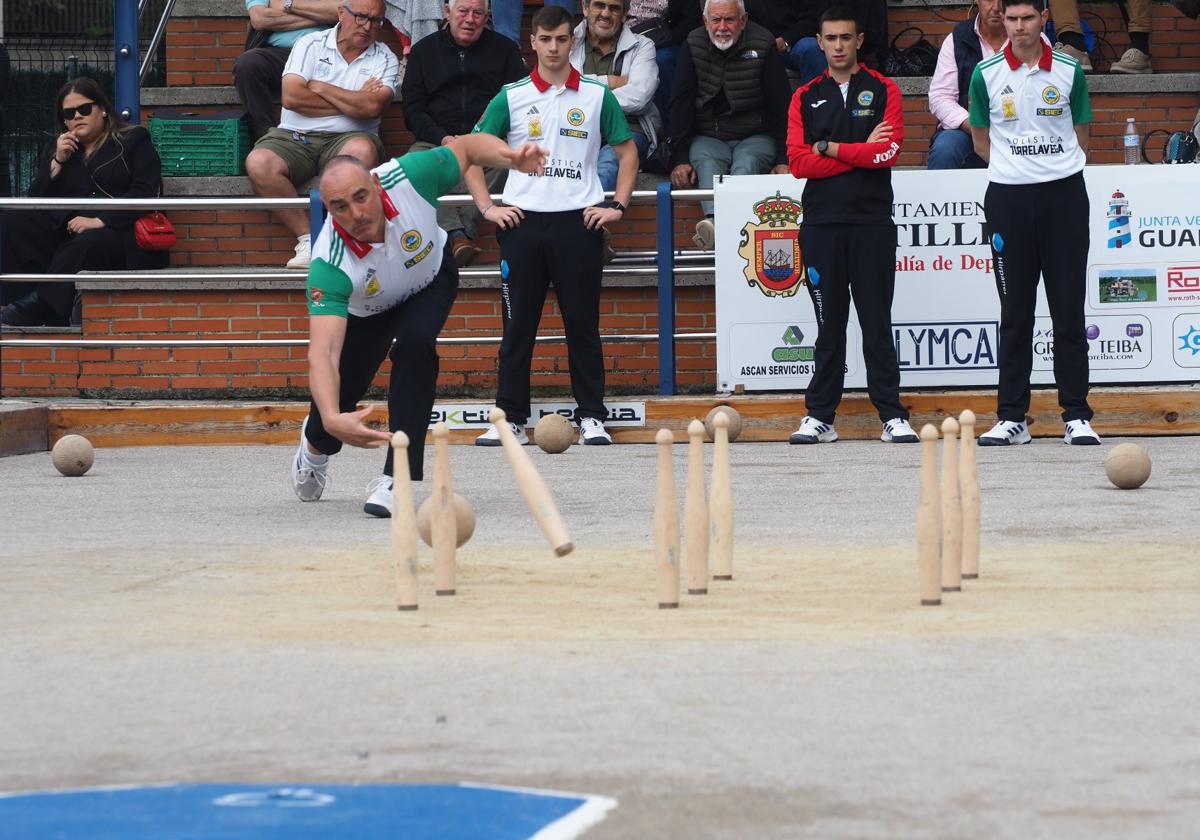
{"x":83,"y":110}
{"x":611,"y":8}
{"x":364,"y":20}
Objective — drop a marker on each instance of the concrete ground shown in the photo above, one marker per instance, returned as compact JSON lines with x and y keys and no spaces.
{"x":177,"y":614}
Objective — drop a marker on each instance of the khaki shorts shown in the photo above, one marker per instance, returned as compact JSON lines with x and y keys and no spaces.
{"x":306,"y":153}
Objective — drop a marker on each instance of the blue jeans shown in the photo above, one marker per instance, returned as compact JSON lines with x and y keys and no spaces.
{"x":806,"y":59}
{"x":606,"y":162}
{"x":666,"y":58}
{"x":953,"y":149}
{"x":506,"y":15}
{"x":711,"y":157}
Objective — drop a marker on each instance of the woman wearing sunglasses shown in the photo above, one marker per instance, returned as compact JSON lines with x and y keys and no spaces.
{"x":94,"y":155}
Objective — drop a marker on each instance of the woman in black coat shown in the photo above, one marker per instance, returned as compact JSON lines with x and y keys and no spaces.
{"x":94,"y":156}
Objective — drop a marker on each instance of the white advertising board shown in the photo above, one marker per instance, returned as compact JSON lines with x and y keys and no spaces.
{"x":1143,"y":282}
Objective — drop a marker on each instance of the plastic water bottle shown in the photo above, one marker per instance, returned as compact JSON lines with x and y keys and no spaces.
{"x":1133,"y":142}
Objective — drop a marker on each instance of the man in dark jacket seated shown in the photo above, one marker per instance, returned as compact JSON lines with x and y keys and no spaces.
{"x":451,"y":77}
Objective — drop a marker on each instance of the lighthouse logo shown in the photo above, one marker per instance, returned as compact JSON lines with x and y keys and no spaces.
{"x":1118,"y":221}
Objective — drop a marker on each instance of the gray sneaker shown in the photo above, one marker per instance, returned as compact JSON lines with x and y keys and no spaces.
{"x":1133,"y":61}
{"x":308,"y":480}
{"x":705,"y":236}
{"x":1085,"y":61}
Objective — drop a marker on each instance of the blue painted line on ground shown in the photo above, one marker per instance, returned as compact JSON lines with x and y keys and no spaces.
{"x":299,"y":812}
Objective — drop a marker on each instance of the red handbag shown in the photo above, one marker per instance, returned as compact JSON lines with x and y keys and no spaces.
{"x":154,"y":232}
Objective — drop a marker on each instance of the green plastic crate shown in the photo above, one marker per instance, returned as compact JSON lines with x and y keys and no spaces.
{"x":194,"y":145}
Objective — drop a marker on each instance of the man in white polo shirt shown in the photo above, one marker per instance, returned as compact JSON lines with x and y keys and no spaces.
{"x":1029,"y":110}
{"x":381,"y":273}
{"x":550,"y":228}
{"x":336,"y":85}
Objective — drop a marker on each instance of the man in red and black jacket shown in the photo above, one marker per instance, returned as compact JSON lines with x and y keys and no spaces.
{"x":845,"y":128}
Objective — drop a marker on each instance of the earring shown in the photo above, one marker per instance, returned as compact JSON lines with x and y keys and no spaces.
{"x":104,"y":113}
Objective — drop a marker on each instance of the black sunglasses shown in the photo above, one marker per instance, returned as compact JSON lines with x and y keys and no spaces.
{"x":83,"y":110}
{"x":363,"y":20}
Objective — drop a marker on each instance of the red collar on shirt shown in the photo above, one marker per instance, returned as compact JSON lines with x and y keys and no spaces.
{"x":1045,"y":62}
{"x":357,"y":246}
{"x":542,"y":85}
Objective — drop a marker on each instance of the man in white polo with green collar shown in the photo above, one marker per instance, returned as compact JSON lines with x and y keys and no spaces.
{"x":1029,"y":110}
{"x":551,"y":229}
{"x":381,"y":274}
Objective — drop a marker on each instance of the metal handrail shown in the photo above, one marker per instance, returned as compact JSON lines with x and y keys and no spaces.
{"x":156,"y":39}
{"x":617,"y":338}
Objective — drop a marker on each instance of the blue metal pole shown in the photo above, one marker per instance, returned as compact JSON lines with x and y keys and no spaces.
{"x":125,"y":40}
{"x":666,"y":290}
{"x":316,"y":214}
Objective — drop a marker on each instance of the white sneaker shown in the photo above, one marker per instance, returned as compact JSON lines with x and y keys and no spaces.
{"x":705,"y":236}
{"x":308,"y":479}
{"x":813,"y":430}
{"x":379,"y":500}
{"x":303,"y":253}
{"x":593,"y":433}
{"x":897,"y":430}
{"x":492,"y":436}
{"x":1081,"y":433}
{"x":1005,"y":433}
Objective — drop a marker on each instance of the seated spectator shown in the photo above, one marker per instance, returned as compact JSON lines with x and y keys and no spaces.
{"x":451,"y":77}
{"x":258,"y":71}
{"x":606,"y":50}
{"x":666,"y":23}
{"x":1068,"y":35}
{"x":971,"y":41}
{"x":415,"y":19}
{"x":729,"y":107}
{"x":794,"y":25}
{"x":94,"y":156}
{"x":336,"y":85}
{"x":506,"y":15}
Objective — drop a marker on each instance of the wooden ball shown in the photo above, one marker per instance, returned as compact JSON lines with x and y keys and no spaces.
{"x":464,"y":516}
{"x":1127,"y":466}
{"x":735,"y":422}
{"x":73,"y":455}
{"x":554,"y":433}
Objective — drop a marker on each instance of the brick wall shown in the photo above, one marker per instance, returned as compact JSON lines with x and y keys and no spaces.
{"x":282,"y":372}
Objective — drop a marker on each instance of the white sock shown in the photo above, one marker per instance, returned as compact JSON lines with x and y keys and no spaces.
{"x":304,"y":237}
{"x":311,"y":459}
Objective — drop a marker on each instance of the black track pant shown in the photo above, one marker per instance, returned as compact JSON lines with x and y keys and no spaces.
{"x":1041,"y":229}
{"x":846,"y":261}
{"x":258,"y":77}
{"x":414,"y":325}
{"x":551,"y":248}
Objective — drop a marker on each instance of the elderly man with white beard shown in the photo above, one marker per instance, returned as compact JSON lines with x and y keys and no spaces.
{"x":729,"y":106}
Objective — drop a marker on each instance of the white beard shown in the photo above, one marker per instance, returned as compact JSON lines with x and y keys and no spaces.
{"x":722,"y":43}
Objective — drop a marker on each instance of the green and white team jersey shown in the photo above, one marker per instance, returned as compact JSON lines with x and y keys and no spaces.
{"x":350,"y":277}
{"x":572,"y":122}
{"x":1031,"y":114}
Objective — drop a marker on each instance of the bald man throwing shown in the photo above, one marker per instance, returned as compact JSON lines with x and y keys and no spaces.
{"x":380,"y":272}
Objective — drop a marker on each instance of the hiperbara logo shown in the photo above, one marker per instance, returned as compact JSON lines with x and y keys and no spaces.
{"x":1118,"y":220}
{"x":866,"y":98}
{"x":575,"y":116}
{"x":1186,"y":346}
{"x":771,"y":247}
{"x":793,"y":351}
{"x":959,"y":345}
{"x":410,"y":241}
{"x":1051,"y":95}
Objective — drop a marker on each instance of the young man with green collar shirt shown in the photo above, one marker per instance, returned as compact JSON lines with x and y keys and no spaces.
{"x":550,"y":229}
{"x":381,"y":273}
{"x":1029,"y":110}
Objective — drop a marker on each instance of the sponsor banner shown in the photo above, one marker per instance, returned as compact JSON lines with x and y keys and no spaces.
{"x":1115,"y":342}
{"x":1185,"y":335}
{"x":475,"y":415}
{"x":1143,"y":270}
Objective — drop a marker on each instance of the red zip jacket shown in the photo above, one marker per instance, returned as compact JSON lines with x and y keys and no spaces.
{"x":856,"y":187}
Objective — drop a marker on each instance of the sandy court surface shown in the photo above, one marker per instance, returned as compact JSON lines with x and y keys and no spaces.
{"x":178,"y":615}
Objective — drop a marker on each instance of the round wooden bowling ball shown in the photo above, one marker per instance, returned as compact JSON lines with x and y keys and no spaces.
{"x":1127,"y":466}
{"x":73,"y":455}
{"x":554,"y":433}
{"x":735,"y":422}
{"x":464,"y":519}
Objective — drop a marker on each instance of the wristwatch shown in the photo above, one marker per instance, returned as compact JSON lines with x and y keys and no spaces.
{"x":287,"y":6}
{"x":612,"y":204}
{"x":821,"y":147}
